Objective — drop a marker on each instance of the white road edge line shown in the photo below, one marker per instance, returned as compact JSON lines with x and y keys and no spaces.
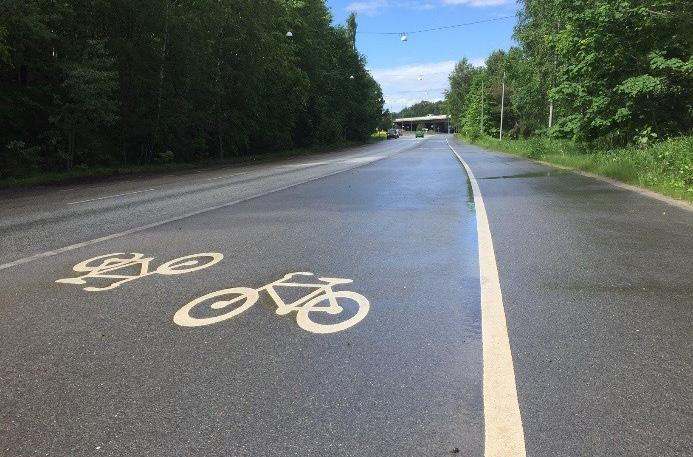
{"x":72,"y":247}
{"x":504,"y":434}
{"x":111,"y":196}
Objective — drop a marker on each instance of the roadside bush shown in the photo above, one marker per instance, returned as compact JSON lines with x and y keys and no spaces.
{"x":18,"y":159}
{"x":537,"y":147}
{"x":165,"y":157}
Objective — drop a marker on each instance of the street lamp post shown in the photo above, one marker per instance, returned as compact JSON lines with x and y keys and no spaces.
{"x":500,"y":135}
{"x":481,"y":127}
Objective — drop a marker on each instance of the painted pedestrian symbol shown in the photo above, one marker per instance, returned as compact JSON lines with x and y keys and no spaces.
{"x":134,"y":266}
{"x":323,"y":301}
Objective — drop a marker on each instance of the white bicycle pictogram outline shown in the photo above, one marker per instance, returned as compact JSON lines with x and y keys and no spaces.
{"x":303,"y":306}
{"x":110,"y":264}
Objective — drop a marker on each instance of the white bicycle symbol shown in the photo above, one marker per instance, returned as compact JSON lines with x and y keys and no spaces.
{"x":111,"y":266}
{"x":322,"y":300}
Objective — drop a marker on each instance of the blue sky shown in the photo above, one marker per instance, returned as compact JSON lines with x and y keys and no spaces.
{"x":418,"y":69}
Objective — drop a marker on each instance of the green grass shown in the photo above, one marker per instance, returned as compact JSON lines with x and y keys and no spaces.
{"x":665,"y":167}
{"x":94,"y":173}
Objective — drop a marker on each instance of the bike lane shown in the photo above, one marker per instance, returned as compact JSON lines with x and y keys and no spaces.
{"x":598,"y":290}
{"x":110,"y":370}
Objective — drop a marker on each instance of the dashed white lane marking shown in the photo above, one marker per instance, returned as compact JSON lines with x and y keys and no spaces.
{"x":295,"y":166}
{"x":224,"y":176}
{"x":72,"y":247}
{"x":362,"y":160}
{"x":504,"y":435}
{"x":110,"y":196}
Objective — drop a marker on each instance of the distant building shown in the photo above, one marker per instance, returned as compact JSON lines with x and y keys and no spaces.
{"x":437,"y":123}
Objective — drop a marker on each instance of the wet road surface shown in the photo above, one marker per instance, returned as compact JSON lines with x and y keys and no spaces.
{"x":596,"y":284}
{"x":598,"y":289}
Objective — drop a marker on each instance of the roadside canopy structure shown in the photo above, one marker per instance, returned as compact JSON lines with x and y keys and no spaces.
{"x":437,"y":123}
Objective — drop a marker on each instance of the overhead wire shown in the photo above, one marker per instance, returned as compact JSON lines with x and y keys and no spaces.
{"x":435,"y":29}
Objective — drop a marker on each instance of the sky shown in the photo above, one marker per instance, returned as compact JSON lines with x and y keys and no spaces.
{"x":418,"y":69}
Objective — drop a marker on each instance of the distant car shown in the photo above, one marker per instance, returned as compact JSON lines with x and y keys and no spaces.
{"x":419,"y":134}
{"x":392,"y":133}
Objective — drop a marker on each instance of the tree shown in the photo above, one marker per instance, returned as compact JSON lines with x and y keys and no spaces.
{"x":351,"y":27}
{"x":473,"y":124}
{"x":386,"y":120}
{"x":176,"y":80}
{"x":87,"y":103}
{"x":459,"y":81}
{"x":607,"y":72}
{"x":615,"y":68}
{"x":423,"y":108}
{"x":4,"y":49}
{"x":29,"y":75}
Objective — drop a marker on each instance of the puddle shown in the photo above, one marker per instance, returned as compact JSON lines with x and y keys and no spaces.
{"x":539,"y":174}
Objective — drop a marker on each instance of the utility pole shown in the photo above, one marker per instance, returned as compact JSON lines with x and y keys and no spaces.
{"x":553,"y":79}
{"x":500,"y":135}
{"x":550,"y":112}
{"x":481,"y":127}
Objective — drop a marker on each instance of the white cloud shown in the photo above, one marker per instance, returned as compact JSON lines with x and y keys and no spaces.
{"x":405,"y":85}
{"x":373,"y":7}
{"x":478,"y":3}
{"x":415,"y":5}
{"x":478,"y":61}
{"x":369,"y":7}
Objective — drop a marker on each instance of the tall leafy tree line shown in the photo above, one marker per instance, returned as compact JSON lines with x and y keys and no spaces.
{"x":110,"y":82}
{"x":604,"y":72}
{"x":423,"y":108}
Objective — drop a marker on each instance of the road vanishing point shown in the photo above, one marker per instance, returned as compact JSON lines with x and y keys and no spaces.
{"x":412,"y":297}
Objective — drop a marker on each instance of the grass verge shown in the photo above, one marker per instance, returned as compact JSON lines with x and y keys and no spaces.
{"x":97,"y":173}
{"x":665,"y":167}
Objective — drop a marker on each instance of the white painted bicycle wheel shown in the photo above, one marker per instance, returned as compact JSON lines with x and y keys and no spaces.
{"x":238,"y":298}
{"x":306,"y":323}
{"x":189,"y":263}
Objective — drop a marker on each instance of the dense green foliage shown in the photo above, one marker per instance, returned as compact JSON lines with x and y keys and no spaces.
{"x":386,"y":120}
{"x":614,"y":72}
{"x":104,"y":83}
{"x":423,"y":108}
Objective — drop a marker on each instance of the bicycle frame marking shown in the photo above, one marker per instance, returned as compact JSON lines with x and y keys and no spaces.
{"x":284,"y":308}
{"x":304,"y":306}
{"x":111,"y":266}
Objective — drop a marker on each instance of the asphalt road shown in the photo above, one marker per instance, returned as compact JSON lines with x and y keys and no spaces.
{"x":597,"y":293}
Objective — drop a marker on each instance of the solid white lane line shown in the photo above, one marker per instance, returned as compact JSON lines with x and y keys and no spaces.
{"x":72,"y":247}
{"x":111,"y":196}
{"x":504,"y":435}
